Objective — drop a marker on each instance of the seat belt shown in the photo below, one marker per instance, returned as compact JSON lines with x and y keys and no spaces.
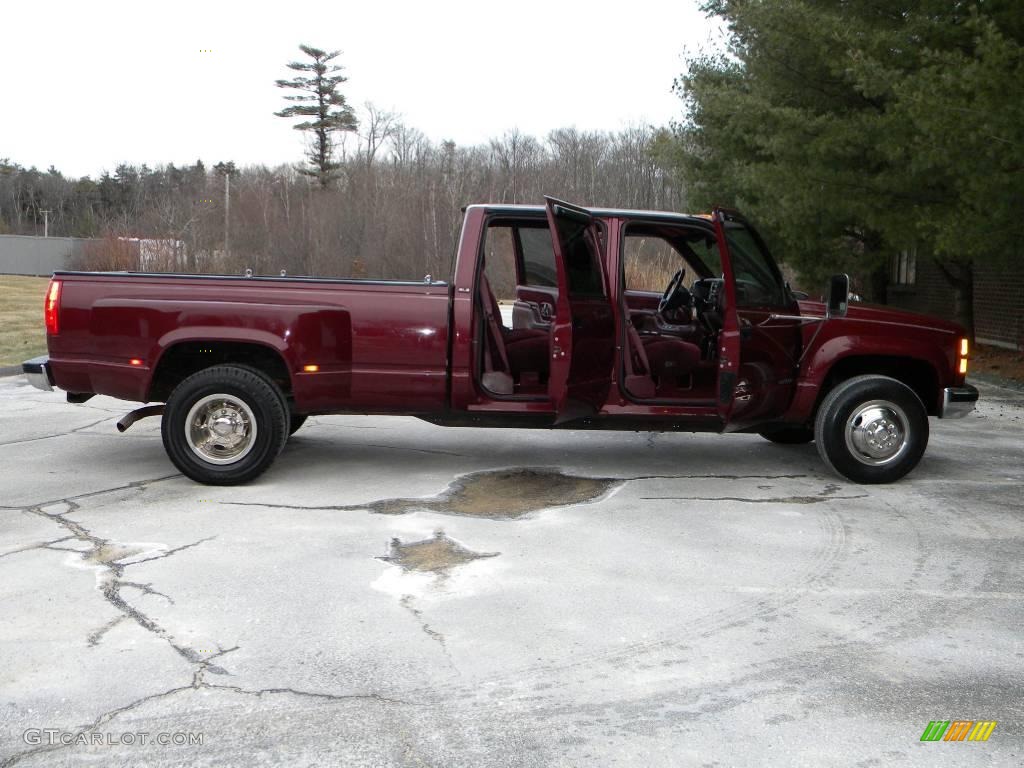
{"x":635,"y":341}
{"x":487,"y":300}
{"x":638,"y":384}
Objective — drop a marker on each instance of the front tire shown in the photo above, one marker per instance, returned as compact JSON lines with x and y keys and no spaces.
{"x":225,"y":425}
{"x":871,"y":429}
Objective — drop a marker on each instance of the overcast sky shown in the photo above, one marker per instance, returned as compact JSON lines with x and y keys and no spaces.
{"x":87,"y":85}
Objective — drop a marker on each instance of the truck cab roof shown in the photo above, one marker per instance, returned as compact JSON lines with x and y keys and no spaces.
{"x":604,"y":213}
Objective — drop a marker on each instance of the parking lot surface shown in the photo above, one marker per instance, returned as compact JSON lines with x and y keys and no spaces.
{"x":395,"y":593}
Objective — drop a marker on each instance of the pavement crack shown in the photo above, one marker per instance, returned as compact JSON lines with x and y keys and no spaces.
{"x":170,"y":552}
{"x":147,"y":589}
{"x":416,"y":450}
{"x":770,"y":500}
{"x":69,"y":500}
{"x":196,"y":684}
{"x":101,"y":720}
{"x":309,"y":694}
{"x":433,"y":634}
{"x":96,"y":635}
{"x":42,"y":545}
{"x":206,"y":665}
{"x":59,"y":434}
{"x":310,"y":508}
{"x":107,"y":554}
{"x":705,"y":476}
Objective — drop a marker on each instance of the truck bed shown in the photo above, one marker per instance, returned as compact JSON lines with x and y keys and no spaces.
{"x":381,"y":344}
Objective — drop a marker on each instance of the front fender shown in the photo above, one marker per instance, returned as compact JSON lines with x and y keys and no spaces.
{"x":894,"y":348}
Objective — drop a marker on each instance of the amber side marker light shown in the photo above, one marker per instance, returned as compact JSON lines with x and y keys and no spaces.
{"x":963,"y":347}
{"x":963,"y":356}
{"x":50,"y":307}
{"x":135,"y":361}
{"x":963,"y":365}
{"x":310,"y":368}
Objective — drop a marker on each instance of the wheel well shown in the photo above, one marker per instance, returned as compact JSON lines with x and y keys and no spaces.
{"x":185,"y":358}
{"x":916,"y":374}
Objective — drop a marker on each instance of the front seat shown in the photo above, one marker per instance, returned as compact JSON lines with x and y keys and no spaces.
{"x":670,"y":357}
{"x":657,"y":362}
{"x":514,"y":352}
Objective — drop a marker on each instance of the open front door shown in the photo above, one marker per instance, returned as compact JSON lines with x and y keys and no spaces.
{"x":729,"y":337}
{"x":760,"y":343}
{"x":583,"y":330}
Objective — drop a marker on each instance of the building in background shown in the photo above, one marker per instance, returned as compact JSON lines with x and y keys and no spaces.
{"x":918,"y":284}
{"x":30,"y":255}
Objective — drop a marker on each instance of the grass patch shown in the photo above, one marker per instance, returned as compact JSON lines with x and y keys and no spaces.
{"x":22,"y":333}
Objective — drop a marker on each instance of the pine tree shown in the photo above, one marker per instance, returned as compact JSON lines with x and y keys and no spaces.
{"x":319,"y":98}
{"x":853,"y":129}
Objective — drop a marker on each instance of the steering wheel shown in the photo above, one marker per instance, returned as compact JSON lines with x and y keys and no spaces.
{"x":676,"y":294}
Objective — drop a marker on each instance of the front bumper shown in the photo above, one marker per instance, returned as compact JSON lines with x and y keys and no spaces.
{"x":37,"y":371}
{"x":957,"y":402}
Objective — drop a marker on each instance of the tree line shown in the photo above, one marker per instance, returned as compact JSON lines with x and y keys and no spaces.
{"x":848,"y":130}
{"x":393,"y":209}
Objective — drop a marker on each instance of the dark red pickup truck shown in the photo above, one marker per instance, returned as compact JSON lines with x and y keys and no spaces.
{"x":596,"y":340}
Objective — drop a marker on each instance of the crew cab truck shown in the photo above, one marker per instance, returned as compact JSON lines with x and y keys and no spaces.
{"x":236,"y":364}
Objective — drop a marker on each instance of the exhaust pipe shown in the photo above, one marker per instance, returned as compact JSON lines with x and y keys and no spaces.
{"x":139,"y":413}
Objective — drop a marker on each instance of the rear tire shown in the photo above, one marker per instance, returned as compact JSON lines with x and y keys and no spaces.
{"x":871,"y":429}
{"x":789,"y":435}
{"x":225,"y":425}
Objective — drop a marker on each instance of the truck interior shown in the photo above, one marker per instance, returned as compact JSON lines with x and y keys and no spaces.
{"x":671,"y":295}
{"x":671,"y":288}
{"x":517,"y":266}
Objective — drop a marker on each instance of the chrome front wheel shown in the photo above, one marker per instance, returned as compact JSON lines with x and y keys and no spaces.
{"x":876,"y":432}
{"x":871,"y":429}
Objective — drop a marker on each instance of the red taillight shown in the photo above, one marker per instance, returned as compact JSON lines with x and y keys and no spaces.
{"x":52,"y":307}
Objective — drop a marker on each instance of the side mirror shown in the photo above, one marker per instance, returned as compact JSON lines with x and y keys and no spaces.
{"x":838,"y":296}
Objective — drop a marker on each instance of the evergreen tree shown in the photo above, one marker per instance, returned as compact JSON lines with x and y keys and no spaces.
{"x":319,"y":98}
{"x":852,"y":129}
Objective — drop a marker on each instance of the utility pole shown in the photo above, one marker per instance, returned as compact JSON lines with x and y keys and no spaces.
{"x":227,"y":211}
{"x":46,"y":223}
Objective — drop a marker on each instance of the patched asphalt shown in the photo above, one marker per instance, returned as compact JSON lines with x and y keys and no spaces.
{"x":395,"y":593}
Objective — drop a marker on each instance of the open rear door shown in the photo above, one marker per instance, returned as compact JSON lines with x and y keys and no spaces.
{"x":583,"y":331}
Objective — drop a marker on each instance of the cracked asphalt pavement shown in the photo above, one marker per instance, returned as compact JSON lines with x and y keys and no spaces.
{"x":393,"y":593}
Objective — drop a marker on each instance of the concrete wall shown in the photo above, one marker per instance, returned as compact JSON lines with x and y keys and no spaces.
{"x":28,"y":255}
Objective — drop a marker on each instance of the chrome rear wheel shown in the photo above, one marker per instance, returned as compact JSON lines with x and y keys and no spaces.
{"x":225,"y":424}
{"x":221,"y":428}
